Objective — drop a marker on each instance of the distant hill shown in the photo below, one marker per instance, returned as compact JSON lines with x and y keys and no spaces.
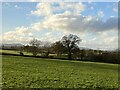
{"x":84,"y":48}
{"x":9,"y":46}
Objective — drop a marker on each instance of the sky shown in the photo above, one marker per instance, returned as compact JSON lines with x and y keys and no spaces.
{"x":94,"y":22}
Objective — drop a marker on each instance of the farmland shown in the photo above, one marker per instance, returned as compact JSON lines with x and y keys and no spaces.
{"x":47,"y":73}
{"x":14,"y":52}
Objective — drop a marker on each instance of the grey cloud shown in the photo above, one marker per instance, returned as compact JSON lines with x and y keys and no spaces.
{"x":82,"y":24}
{"x":78,"y":23}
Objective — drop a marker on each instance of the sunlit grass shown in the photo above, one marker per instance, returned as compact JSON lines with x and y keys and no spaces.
{"x":14,"y":52}
{"x":48,"y":73}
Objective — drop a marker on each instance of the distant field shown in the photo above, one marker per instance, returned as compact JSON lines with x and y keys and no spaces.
{"x":27,"y":53}
{"x":47,"y":73}
{"x":9,"y":51}
{"x":14,"y":52}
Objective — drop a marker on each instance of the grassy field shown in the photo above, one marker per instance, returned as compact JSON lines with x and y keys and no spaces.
{"x":9,"y":51}
{"x":14,"y":52}
{"x":27,"y":53}
{"x":47,"y":73}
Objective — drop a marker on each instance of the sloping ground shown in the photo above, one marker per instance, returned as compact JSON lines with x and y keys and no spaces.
{"x":47,"y":73}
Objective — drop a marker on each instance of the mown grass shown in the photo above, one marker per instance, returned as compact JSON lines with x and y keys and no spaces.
{"x":47,"y":73}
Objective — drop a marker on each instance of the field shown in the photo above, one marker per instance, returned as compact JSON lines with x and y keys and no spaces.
{"x":47,"y":73}
{"x":30,"y":54}
{"x":14,"y":52}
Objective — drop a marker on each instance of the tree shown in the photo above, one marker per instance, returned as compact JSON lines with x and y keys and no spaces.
{"x":46,"y":48}
{"x":26,"y":48}
{"x":76,"y":52}
{"x":58,"y":48}
{"x":70,"y":42}
{"x":82,"y":55}
{"x":34,"y":46}
{"x":3,"y":47}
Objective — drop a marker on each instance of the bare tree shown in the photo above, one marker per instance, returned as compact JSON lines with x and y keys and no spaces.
{"x":46,"y":48}
{"x":34,"y":46}
{"x":70,"y":42}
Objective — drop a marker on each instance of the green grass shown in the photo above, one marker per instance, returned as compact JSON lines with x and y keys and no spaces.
{"x":28,"y":53}
{"x":14,"y":52}
{"x":47,"y":73}
{"x":9,"y":51}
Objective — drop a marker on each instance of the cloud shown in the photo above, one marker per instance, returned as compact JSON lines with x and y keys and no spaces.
{"x":48,"y":8}
{"x":115,"y":9}
{"x":37,"y":26}
{"x":23,"y":31}
{"x":43,"y":9}
{"x":6,"y":5}
{"x":17,"y":7}
{"x":79,"y":8}
{"x":76,"y":23}
{"x":70,"y":19}
{"x":66,"y":18}
{"x":100,"y":13}
{"x":19,"y":35}
{"x":92,"y":30}
{"x":31,"y":0}
{"x":49,"y":37}
{"x":106,"y":40}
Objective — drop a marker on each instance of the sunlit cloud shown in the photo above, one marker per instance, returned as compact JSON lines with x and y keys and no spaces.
{"x":52,"y":20}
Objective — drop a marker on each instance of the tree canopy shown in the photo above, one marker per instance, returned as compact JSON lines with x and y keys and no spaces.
{"x":70,"y":42}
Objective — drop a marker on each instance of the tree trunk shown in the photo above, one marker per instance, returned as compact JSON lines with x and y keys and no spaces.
{"x":69,"y":54}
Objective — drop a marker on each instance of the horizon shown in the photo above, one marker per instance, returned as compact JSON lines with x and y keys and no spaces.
{"x":84,"y":48}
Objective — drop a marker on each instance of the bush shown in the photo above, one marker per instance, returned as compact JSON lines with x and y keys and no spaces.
{"x":21,"y":53}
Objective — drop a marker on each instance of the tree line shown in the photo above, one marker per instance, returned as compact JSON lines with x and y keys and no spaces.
{"x":68,"y":47}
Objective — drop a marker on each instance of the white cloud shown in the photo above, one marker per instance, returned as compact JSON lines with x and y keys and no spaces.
{"x":18,"y":7}
{"x":19,"y":35}
{"x":46,"y":9}
{"x":93,"y":30}
{"x":103,"y":33}
{"x":76,"y":23}
{"x":49,"y":37}
{"x":31,"y":0}
{"x":37,"y":26}
{"x":115,"y":9}
{"x":79,"y":8}
{"x":104,"y":40}
{"x":23,"y":30}
{"x":43,"y":9}
{"x":100,"y":13}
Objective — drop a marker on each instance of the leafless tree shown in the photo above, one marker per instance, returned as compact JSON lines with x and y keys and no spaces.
{"x":34,"y":46}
